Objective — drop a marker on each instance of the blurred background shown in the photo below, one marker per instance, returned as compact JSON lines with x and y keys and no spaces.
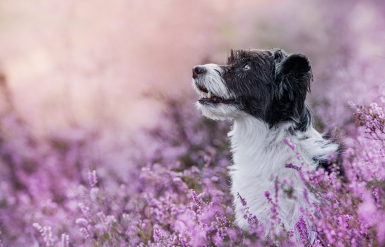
{"x":87,"y":63}
{"x":98,"y":83}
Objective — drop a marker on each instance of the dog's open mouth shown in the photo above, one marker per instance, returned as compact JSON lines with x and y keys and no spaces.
{"x":210,"y":98}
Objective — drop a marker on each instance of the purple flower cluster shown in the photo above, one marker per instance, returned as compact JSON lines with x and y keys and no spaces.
{"x":251,"y":219}
{"x":292,"y":146}
{"x":301,"y":228}
{"x":293,"y":167}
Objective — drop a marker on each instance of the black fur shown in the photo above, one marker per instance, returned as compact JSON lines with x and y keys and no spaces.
{"x":274,"y":88}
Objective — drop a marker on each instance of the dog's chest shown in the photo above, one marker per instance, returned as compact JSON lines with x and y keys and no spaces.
{"x":259,"y":157}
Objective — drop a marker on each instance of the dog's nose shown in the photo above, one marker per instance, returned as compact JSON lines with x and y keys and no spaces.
{"x":197,"y":70}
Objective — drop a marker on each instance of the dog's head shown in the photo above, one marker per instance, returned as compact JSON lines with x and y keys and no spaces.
{"x":269,"y":85}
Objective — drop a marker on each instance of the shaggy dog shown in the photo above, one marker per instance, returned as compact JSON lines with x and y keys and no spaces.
{"x":263,"y":93}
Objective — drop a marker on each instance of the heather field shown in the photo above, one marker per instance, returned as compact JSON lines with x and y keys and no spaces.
{"x":101,"y":145}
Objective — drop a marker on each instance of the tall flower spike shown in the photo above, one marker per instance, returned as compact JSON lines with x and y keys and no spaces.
{"x":292,"y":146}
{"x":93,"y":180}
{"x":243,"y":201}
{"x":251,"y":219}
{"x":85,"y":210}
{"x":65,"y":240}
{"x":86,"y":234}
{"x":48,"y":240}
{"x":301,"y":228}
{"x":292,"y":167}
{"x":43,"y":232}
{"x":196,"y":200}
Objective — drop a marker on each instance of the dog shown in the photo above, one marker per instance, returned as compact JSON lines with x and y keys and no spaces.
{"x":263,"y":92}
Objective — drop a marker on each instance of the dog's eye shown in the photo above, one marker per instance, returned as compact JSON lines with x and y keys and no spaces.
{"x":246,"y":67}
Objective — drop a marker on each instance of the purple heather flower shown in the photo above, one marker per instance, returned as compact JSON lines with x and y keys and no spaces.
{"x":301,"y":228}
{"x":196,"y":200}
{"x":45,"y":232}
{"x":376,"y":195}
{"x":81,"y":221}
{"x":85,"y":211}
{"x":65,"y":240}
{"x":243,"y":201}
{"x":86,"y":234}
{"x":267,"y":195}
{"x":292,"y":167}
{"x":93,"y":180}
{"x":157,"y":235}
{"x":292,"y":146}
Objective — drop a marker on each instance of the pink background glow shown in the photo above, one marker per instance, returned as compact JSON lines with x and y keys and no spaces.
{"x":89,"y":62}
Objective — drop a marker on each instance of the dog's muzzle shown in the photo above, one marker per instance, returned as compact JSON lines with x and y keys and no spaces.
{"x":198,"y":70}
{"x":209,"y":98}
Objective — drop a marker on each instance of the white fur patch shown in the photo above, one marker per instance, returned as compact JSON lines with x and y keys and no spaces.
{"x":218,"y":111}
{"x":260,"y":156}
{"x":213,"y":81}
{"x":215,"y":84}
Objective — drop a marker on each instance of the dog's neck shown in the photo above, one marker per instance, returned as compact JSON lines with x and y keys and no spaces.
{"x":255,"y":146}
{"x":260,"y":156}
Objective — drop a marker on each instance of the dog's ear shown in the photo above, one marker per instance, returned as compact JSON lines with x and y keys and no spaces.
{"x":293,"y":74}
{"x":278,"y":56}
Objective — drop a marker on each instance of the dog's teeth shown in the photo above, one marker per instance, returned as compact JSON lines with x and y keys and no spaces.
{"x":209,"y":94}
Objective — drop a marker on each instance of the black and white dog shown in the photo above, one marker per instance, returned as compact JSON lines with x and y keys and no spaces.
{"x":264,"y":93}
